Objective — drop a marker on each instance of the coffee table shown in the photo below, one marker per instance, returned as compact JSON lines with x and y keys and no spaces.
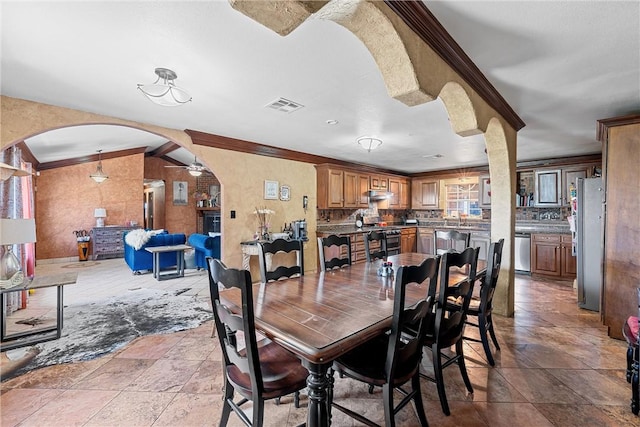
{"x":157,"y":250}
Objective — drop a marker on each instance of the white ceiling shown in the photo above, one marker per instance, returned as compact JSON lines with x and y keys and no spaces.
{"x":561,"y":65}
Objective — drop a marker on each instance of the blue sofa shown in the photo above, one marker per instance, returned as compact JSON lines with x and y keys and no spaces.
{"x":139,"y":260}
{"x":204,"y":246}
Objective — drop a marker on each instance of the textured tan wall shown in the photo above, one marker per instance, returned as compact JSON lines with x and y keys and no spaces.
{"x":242,"y":178}
{"x":66,"y":197}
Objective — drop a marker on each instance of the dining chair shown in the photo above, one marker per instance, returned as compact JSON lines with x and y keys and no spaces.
{"x":268,"y":249}
{"x":331,"y":252}
{"x":375,"y":236}
{"x":393,"y":359}
{"x":481,"y":308}
{"x":448,"y":324}
{"x":256,"y":373}
{"x":453,"y":240}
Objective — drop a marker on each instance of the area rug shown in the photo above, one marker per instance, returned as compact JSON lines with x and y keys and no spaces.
{"x":83,"y":264}
{"x":107,"y":325}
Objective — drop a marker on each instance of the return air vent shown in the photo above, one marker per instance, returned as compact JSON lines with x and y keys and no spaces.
{"x":284,"y":105}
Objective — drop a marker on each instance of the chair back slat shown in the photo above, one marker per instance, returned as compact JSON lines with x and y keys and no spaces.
{"x":408,"y":324}
{"x":489,"y":280}
{"x":455,"y":241}
{"x":333,"y":245}
{"x":375,"y":236}
{"x":449,"y":319}
{"x":280,"y":246}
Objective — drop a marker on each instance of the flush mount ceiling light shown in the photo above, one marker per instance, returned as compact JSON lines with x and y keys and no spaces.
{"x":99,"y":176}
{"x":164,"y":91}
{"x":369,"y":143}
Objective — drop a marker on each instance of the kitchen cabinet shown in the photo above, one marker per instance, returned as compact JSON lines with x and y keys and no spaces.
{"x":570,"y":177}
{"x":399,"y":187}
{"x":425,"y":240}
{"x":485,"y":192}
{"x":568,"y":263}
{"x":379,"y":182}
{"x":551,"y":255}
{"x":408,"y":240}
{"x":548,"y":188}
{"x":355,"y":190}
{"x":482,"y":240}
{"x":425,"y":194}
{"x":348,"y":188}
{"x":330,"y":187}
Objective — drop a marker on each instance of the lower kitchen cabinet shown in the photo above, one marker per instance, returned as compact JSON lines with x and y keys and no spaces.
{"x":482,"y":240}
{"x":408,"y":240}
{"x":551,"y":255}
{"x":425,"y":240}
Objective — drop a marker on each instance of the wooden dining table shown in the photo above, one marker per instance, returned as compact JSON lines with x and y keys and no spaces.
{"x":320,"y":316}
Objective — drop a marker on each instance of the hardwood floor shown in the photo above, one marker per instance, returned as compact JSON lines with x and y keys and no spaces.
{"x":557,"y":367}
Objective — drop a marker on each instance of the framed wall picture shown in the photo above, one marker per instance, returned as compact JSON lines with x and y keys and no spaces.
{"x":271,"y":190}
{"x":180,"y":193}
{"x":285,"y":193}
{"x":485,"y":192}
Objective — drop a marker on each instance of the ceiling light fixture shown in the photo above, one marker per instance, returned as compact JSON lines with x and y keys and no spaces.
{"x":164,"y":91}
{"x":369,"y":143}
{"x":99,"y":176}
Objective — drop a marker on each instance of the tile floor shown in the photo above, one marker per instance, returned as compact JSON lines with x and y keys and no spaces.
{"x":557,"y":367}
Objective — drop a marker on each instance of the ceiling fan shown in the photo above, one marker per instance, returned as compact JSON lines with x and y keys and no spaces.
{"x":195,"y":169}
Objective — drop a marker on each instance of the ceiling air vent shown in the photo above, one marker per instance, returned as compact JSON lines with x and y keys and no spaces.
{"x":284,"y":105}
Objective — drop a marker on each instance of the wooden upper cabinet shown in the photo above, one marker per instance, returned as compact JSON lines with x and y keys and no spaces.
{"x":569,"y":177}
{"x":425,"y":194}
{"x":351,"y":187}
{"x":379,"y":182}
{"x":394,"y":188}
{"x":405,"y":194}
{"x":363,"y":183}
{"x":330,"y":187}
{"x":548,"y":189}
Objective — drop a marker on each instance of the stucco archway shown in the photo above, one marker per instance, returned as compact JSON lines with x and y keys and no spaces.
{"x":413,"y":72}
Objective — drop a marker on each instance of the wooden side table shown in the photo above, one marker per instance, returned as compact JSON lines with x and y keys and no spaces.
{"x":21,"y":339}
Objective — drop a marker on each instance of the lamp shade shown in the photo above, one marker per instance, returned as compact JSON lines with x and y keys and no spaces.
{"x":100,"y":213}
{"x":17,"y":231}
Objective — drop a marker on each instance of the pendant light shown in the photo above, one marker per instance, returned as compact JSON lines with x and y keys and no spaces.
{"x":99,"y":176}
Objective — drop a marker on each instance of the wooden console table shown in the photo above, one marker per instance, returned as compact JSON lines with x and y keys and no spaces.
{"x":21,"y":339}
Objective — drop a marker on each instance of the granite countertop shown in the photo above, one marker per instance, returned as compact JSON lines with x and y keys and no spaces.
{"x":546,"y":227}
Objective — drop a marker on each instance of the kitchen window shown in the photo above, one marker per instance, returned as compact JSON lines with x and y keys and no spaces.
{"x":462,"y":200}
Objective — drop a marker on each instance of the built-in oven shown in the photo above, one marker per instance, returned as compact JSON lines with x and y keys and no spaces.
{"x":393,"y":242}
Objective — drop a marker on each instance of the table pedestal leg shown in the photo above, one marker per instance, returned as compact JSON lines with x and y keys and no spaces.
{"x":317,"y":414}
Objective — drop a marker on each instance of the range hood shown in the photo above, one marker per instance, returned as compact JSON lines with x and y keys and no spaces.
{"x":377,"y":195}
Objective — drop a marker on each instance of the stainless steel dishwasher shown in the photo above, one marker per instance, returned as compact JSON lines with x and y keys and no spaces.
{"x":522,"y":253}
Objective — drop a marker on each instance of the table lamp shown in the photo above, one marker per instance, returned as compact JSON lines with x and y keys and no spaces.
{"x":100,"y":214}
{"x":14,"y":232}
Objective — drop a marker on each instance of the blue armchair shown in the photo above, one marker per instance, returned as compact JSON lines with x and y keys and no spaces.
{"x":140,"y":259}
{"x":204,"y":246}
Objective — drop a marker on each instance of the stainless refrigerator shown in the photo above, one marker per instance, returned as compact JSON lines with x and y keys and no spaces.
{"x":589,"y":241}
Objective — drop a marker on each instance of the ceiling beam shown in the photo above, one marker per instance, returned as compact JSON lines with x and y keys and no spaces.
{"x":165,"y":148}
{"x":90,"y":158}
{"x":420,"y":19}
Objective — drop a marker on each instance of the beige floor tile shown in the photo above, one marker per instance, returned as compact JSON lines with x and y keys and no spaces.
{"x":165,"y":375}
{"x":132,"y":408}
